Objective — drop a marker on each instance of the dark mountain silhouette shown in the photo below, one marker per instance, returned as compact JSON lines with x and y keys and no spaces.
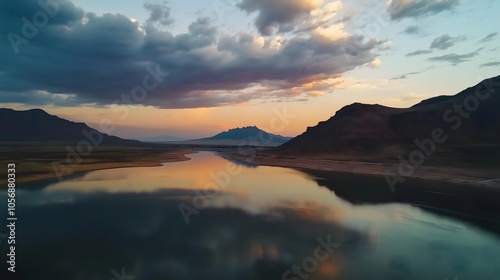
{"x":37,"y":125}
{"x":250,"y":135}
{"x":471,"y":117}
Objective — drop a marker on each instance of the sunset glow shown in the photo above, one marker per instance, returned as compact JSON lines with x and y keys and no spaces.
{"x":231,"y":64}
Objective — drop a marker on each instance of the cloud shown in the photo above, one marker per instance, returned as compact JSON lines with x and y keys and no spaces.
{"x":353,"y":83}
{"x":413,"y":30}
{"x":454,"y":58}
{"x":445,"y":42}
{"x":81,"y":58}
{"x":159,"y":16}
{"x":441,"y":43}
{"x":402,"y":77}
{"x":289,"y":15}
{"x":419,"y":52}
{"x":375,"y":63}
{"x":490,"y":64}
{"x":405,"y":76}
{"x":489,"y":37}
{"x":37,"y":97}
{"x":399,"y":9}
{"x":321,"y":17}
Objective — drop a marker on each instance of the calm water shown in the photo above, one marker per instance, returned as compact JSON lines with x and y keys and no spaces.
{"x":265,"y":223}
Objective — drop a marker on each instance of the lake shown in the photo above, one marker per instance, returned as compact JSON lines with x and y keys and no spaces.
{"x":209,"y":218}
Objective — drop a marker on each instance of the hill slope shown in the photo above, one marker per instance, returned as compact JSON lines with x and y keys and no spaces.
{"x":37,"y":125}
{"x":471,"y":117}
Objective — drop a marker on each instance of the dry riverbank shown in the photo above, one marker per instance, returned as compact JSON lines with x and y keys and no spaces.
{"x":488,"y":177}
{"x":459,"y":188}
{"x":38,"y":162}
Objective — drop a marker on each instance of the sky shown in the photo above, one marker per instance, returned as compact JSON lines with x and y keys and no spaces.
{"x":194,"y":68}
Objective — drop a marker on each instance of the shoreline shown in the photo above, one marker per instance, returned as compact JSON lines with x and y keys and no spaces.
{"x":469,"y":191}
{"x":456,"y":189}
{"x":95,"y":168}
{"x":29,"y":170}
{"x":486,"y":178}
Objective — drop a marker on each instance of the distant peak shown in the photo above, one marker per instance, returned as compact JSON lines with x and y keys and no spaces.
{"x":359,"y":106}
{"x":36,"y":110}
{"x":245,"y":128}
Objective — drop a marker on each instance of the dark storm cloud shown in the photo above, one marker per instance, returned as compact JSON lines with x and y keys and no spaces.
{"x":445,"y":42}
{"x":37,"y":98}
{"x":454,"y":58}
{"x":399,"y":9}
{"x":80,"y":58}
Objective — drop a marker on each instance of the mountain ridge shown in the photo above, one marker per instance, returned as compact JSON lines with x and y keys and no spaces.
{"x":369,"y":127}
{"x":247,"y":135}
{"x":39,"y":126}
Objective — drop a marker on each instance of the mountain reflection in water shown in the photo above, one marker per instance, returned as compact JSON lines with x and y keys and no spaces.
{"x":266,"y":221}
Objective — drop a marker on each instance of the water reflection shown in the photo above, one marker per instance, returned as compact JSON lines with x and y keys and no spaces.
{"x":253,"y":189}
{"x":266,"y":221}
